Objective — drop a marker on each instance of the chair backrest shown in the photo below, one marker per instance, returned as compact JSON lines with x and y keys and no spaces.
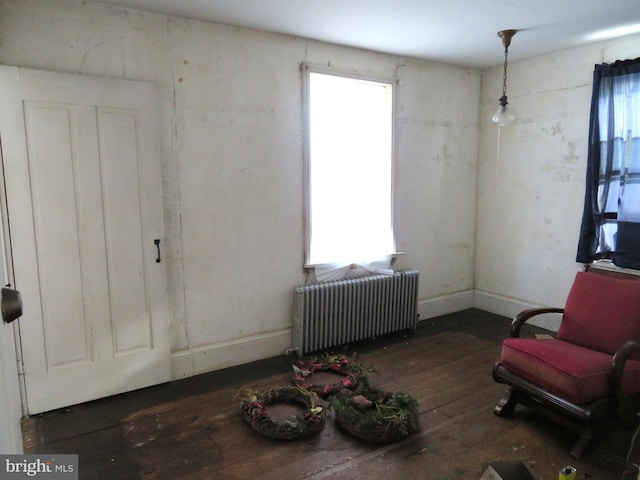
{"x":602,"y":311}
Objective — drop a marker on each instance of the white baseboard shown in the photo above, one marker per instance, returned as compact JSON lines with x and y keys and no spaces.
{"x":209,"y":358}
{"x":509,"y":307}
{"x":217,"y":356}
{"x":442,"y":305}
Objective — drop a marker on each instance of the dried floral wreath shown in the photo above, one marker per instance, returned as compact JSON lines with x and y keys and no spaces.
{"x":255,"y":412}
{"x":341,"y":364}
{"x":361,"y":409}
{"x":375,"y":415}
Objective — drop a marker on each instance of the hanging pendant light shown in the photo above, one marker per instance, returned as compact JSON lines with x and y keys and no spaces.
{"x":503,"y":116}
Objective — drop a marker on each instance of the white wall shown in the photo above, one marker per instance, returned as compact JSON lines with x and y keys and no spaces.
{"x":530,"y":199}
{"x":232,"y":162}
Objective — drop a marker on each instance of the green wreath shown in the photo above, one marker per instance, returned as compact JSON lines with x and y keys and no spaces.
{"x":375,"y":415}
{"x":341,"y":364}
{"x":255,"y":411}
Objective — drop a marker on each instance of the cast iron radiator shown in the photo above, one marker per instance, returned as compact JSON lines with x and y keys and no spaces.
{"x":335,"y":313}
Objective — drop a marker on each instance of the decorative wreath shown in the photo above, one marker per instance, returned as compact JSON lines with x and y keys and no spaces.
{"x":376,"y":415}
{"x":341,"y":364}
{"x":255,"y":412}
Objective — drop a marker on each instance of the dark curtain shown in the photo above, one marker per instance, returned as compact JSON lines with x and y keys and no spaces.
{"x":611,"y":217}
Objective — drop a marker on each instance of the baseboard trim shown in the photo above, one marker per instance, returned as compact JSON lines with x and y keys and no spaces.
{"x":209,"y":358}
{"x":510,"y":307}
{"x":444,"y":304}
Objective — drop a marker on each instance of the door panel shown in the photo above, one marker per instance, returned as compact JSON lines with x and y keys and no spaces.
{"x":118,"y":133}
{"x":84,"y":203}
{"x":57,"y":248}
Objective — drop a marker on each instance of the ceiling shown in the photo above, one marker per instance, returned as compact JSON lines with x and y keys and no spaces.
{"x":461,"y":32}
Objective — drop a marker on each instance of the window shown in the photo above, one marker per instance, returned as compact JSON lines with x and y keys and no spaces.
{"x":611,"y":219}
{"x":349,"y":170}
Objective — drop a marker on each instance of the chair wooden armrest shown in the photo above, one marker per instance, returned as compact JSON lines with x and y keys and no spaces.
{"x":620,"y":358}
{"x":520,"y":319}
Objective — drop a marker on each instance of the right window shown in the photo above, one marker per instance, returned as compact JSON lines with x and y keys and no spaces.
{"x":611,"y":218}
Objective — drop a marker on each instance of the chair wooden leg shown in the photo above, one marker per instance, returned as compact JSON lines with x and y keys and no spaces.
{"x":506,"y":404}
{"x":580,"y":447}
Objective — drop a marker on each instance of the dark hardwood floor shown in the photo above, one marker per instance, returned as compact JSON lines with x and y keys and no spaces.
{"x":193,"y":428}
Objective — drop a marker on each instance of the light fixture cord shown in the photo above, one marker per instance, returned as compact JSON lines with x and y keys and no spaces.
{"x":497,"y":179}
{"x":503,"y":102}
{"x":504,"y":77}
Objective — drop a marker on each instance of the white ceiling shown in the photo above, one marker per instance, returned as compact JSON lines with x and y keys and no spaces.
{"x":462,"y":32}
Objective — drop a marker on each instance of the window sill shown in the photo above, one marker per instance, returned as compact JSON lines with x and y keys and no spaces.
{"x":311,"y":266}
{"x":610,"y":267}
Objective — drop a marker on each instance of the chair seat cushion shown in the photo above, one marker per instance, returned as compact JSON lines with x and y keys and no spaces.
{"x":575,"y":373}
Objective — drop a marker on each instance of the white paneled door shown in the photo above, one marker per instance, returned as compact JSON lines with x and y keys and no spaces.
{"x":84,"y":203}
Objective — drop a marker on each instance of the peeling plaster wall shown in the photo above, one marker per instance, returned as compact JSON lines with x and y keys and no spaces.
{"x":530,"y":198}
{"x":232,"y":155}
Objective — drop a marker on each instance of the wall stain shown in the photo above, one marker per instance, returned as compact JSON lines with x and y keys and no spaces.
{"x":555,"y":129}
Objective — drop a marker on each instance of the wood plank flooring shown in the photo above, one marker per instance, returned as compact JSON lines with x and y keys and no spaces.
{"x":192,"y":429}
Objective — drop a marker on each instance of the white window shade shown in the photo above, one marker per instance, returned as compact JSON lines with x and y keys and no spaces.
{"x":349,"y":169}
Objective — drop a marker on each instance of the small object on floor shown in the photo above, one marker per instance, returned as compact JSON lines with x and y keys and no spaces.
{"x":567,"y":473}
{"x":507,"y":470}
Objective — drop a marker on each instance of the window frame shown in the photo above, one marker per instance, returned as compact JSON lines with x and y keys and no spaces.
{"x":307,"y":69}
{"x":601,"y":221}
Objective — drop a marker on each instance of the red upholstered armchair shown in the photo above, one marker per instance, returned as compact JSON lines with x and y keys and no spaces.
{"x":588,"y":377}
